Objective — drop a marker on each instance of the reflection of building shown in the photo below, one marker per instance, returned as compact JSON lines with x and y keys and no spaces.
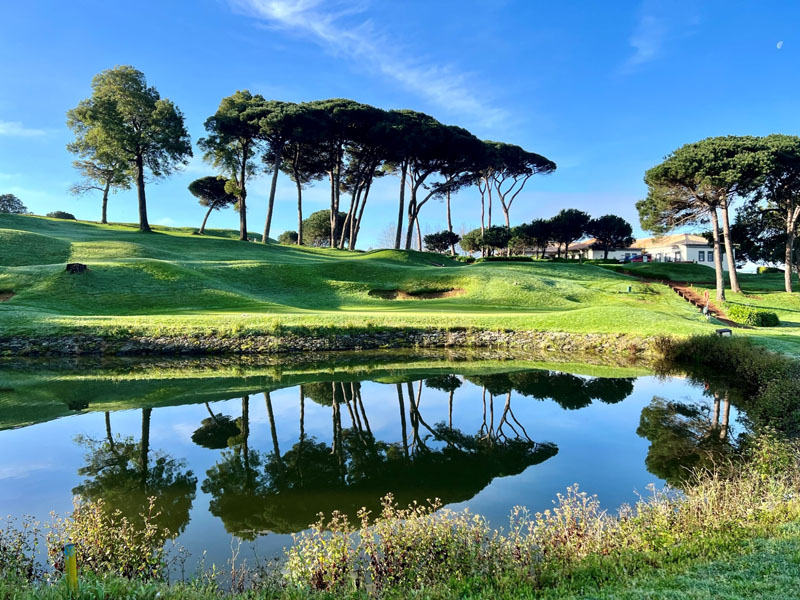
{"x":681,"y":247}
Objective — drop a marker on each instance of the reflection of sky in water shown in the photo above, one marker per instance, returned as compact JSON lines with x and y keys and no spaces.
{"x":597,"y":447}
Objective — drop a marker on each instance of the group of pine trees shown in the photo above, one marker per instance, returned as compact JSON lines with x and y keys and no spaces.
{"x":125,"y":133}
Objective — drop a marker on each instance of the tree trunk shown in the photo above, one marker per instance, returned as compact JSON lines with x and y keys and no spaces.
{"x":450,"y":409}
{"x":145,"y":444}
{"x":299,"y":211}
{"x":354,"y":230}
{"x":726,"y":412}
{"x":726,"y":232}
{"x":605,"y":253}
{"x":412,"y":215}
{"x":273,"y":430}
{"x":788,"y":260}
{"x":109,"y":436}
{"x":271,"y":203}
{"x":715,"y":416}
{"x":104,"y":213}
{"x":791,"y":234}
{"x":450,"y":224}
{"x":720,"y":281}
{"x":483,"y":211}
{"x":419,"y":234}
{"x":399,"y":231}
{"x":403,"y":431}
{"x":243,"y":199}
{"x":202,"y":229}
{"x":489,"y":212}
{"x":143,"y":224}
{"x":334,"y":216}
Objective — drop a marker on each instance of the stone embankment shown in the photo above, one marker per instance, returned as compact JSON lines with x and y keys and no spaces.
{"x":609,"y":344}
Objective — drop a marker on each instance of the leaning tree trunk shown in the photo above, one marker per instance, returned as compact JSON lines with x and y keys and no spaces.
{"x":419,"y":234}
{"x":354,"y":229}
{"x":202,"y":229}
{"x":720,"y":281}
{"x":143,"y":224}
{"x":271,"y":203}
{"x":104,"y":212}
{"x":726,"y":232}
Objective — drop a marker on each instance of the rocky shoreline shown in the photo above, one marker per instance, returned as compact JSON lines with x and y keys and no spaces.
{"x":536,"y":341}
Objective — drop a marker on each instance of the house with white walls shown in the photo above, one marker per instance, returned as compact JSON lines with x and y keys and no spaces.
{"x":679,"y":247}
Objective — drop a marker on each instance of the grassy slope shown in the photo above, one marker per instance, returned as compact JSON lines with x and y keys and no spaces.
{"x":764,"y":291}
{"x":171,"y":281}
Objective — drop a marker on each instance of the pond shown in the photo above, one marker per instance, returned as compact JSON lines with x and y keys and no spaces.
{"x":256,"y":448}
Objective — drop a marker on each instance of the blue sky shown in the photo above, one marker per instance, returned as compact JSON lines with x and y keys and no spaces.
{"x":603,"y":89}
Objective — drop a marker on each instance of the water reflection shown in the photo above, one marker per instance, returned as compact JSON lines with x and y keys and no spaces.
{"x":255,"y":492}
{"x":250,"y":450}
{"x":687,"y":436}
{"x":125,"y":473}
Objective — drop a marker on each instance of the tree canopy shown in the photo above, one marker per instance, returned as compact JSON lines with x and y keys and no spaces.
{"x":611,"y":232}
{"x":127,"y":121}
{"x":212,"y":192}
{"x":10,"y":204}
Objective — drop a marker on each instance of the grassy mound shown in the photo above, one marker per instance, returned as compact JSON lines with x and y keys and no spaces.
{"x":174,"y":282}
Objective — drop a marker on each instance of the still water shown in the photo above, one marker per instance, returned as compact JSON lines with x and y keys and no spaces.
{"x":254,"y":450}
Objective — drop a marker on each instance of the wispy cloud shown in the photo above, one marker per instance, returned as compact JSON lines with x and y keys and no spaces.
{"x":659,"y":24}
{"x":362,"y":42}
{"x":647,"y":40}
{"x":17,"y":129}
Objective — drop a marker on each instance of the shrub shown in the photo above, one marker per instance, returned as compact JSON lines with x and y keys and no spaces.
{"x":505,"y":259}
{"x":288,"y":237}
{"x":19,"y":541}
{"x":766,"y":270}
{"x":108,"y":543}
{"x":749,"y":315}
{"x":465,"y":259}
{"x":441,"y":241}
{"x":60,"y":214}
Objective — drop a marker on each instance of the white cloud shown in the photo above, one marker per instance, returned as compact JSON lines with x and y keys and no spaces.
{"x":17,"y":129}
{"x":321,"y":20}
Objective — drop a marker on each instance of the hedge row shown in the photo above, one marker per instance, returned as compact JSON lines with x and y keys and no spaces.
{"x":749,"y":315}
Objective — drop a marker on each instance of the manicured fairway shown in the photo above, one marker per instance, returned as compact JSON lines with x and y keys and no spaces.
{"x":171,"y":282}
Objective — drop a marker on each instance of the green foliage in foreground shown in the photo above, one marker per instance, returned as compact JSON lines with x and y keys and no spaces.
{"x":574,"y":550}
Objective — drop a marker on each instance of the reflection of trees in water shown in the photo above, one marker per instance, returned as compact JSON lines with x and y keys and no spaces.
{"x":124,"y":474}
{"x":256,"y":492}
{"x":568,"y":390}
{"x":686,"y":436}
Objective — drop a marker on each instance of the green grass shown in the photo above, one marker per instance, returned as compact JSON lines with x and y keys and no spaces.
{"x":177,"y":282}
{"x":173,"y":283}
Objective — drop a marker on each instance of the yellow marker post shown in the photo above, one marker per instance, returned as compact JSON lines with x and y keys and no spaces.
{"x":71,"y":568}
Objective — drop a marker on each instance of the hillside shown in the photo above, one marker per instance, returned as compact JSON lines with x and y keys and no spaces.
{"x":172,"y":281}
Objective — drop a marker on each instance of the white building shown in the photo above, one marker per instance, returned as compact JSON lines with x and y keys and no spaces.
{"x":680,"y":247}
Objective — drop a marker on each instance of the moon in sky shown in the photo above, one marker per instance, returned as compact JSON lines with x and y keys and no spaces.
{"x":780,"y":44}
